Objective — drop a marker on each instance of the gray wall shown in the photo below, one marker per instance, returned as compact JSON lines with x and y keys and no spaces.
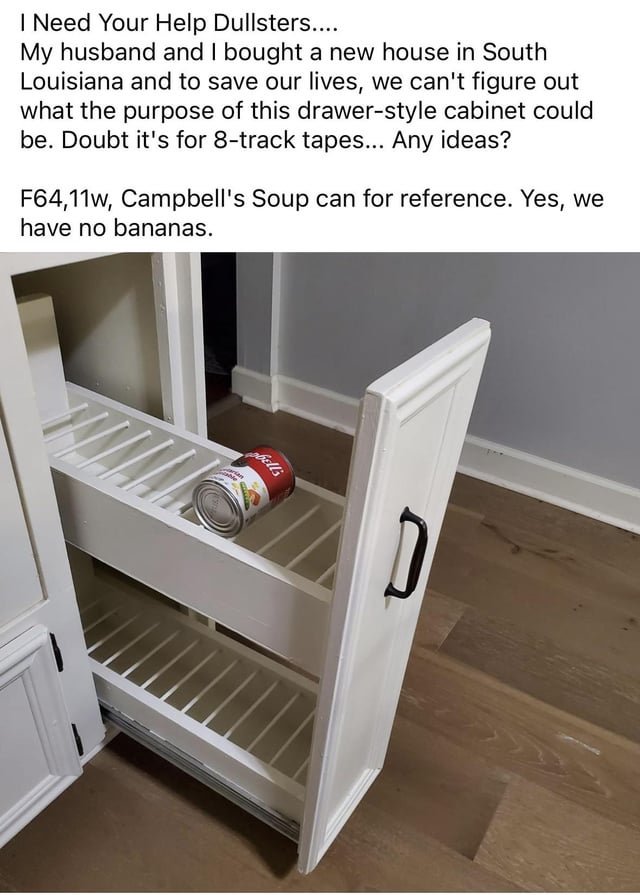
{"x":254,"y":275}
{"x":562,"y":379}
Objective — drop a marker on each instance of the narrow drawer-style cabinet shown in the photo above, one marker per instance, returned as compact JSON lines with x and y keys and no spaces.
{"x":332,"y":586}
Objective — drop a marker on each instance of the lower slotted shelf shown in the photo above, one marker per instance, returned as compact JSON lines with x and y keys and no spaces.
{"x":245,"y":719}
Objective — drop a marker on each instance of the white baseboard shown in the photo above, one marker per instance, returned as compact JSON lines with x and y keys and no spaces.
{"x":300,"y":398}
{"x":256,"y":389}
{"x":318,"y":404}
{"x":564,"y":486}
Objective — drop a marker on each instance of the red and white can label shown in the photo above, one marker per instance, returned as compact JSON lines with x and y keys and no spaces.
{"x":273,"y":469}
{"x":260,"y":477}
{"x":256,"y":481}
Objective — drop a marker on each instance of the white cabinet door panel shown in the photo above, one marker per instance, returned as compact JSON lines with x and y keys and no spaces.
{"x":38,"y":756}
{"x":412,"y":426}
{"x":19,"y":582}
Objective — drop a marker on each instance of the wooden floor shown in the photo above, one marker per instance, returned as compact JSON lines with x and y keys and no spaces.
{"x":515,"y":757}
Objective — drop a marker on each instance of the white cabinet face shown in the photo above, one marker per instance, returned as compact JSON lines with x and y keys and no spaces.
{"x":38,"y":757}
{"x":19,"y":582}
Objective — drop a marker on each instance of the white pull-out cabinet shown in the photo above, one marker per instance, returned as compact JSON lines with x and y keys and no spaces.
{"x":333,"y":586}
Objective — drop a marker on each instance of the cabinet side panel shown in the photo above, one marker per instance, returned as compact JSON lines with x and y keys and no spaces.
{"x":105,"y":315}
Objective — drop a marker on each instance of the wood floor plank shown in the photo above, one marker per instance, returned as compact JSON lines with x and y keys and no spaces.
{"x":5,"y":885}
{"x":437,"y":789}
{"x":438,"y":617}
{"x":545,"y":843}
{"x":538,"y":666}
{"x":135,"y":823}
{"x":590,"y":625}
{"x":512,"y":546}
{"x":375,"y":852}
{"x":615,"y":546}
{"x":520,"y":734}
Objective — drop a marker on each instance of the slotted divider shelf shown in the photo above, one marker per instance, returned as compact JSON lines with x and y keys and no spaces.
{"x":246,"y":719}
{"x":124,"y":482}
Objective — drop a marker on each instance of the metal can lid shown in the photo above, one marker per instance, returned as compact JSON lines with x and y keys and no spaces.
{"x":217,"y":509}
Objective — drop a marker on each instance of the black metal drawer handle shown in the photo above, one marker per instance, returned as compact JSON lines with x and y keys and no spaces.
{"x":416,"y":560}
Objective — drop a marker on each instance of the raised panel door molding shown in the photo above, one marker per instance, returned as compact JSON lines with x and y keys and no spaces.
{"x":38,"y":756}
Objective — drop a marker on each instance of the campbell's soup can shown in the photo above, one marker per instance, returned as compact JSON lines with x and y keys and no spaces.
{"x":234,"y":496}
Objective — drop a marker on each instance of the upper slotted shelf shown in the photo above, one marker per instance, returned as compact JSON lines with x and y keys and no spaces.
{"x":138,"y":458}
{"x":124,"y":482}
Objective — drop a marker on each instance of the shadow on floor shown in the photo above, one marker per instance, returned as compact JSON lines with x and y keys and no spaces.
{"x":277,"y":853}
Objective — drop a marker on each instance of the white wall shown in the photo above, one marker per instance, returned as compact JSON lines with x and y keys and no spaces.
{"x":562,"y":379}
